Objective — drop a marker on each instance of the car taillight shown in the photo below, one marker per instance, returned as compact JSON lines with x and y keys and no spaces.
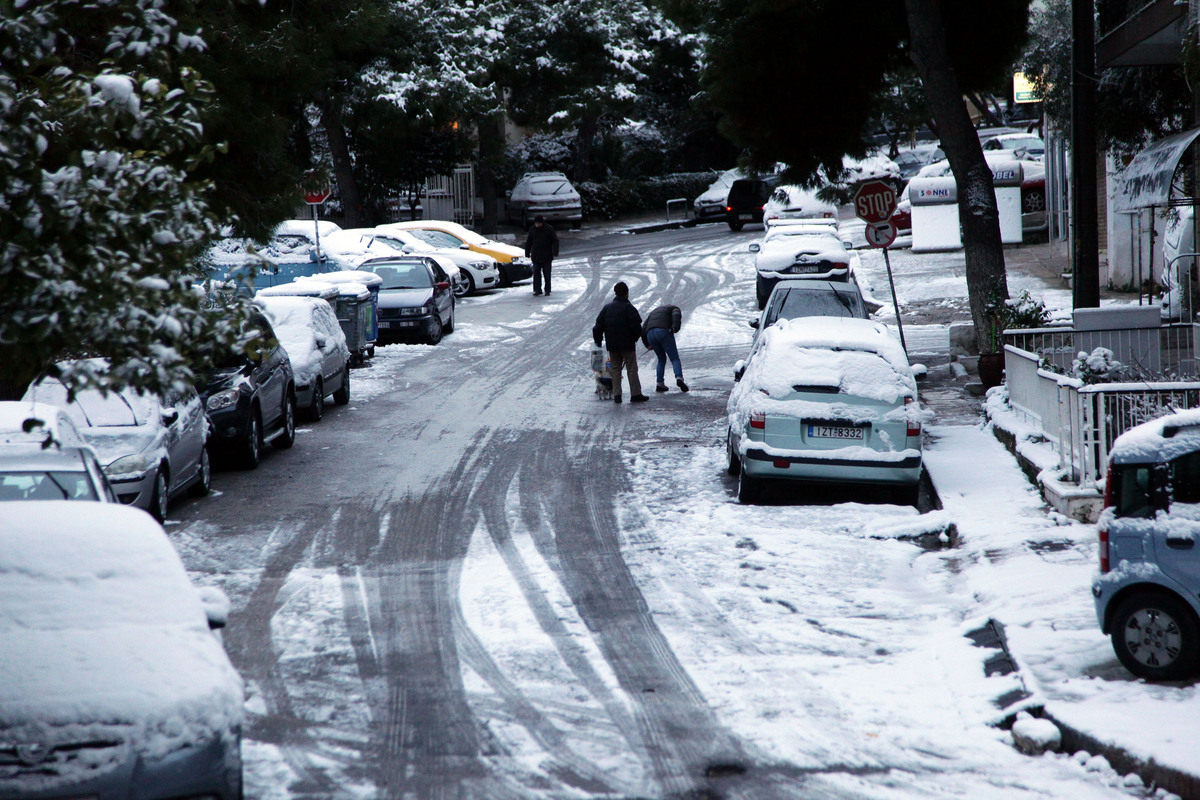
{"x":1103,"y":550}
{"x":758,"y":420}
{"x":914,"y":422}
{"x":729,"y":208}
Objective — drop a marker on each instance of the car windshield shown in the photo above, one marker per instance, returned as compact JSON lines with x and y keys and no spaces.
{"x":93,"y":409}
{"x":39,"y":485}
{"x":438,"y":238}
{"x":403,"y":276}
{"x":797,"y":303}
{"x":550,"y":187}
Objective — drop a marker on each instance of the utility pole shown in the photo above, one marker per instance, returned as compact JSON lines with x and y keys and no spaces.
{"x":1085,"y":260}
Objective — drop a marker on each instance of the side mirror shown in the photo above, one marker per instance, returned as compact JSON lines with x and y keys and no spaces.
{"x":754,"y":323}
{"x":170,"y":416}
{"x":754,"y":248}
{"x":464,"y":246}
{"x":312,"y":254}
{"x":739,"y":369}
{"x":216,"y":606}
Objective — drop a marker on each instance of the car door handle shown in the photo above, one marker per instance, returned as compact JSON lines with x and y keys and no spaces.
{"x":1181,"y":544}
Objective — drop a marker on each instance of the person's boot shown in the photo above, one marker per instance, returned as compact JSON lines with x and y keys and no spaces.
{"x":682,"y":386}
{"x":638,"y":398}
{"x":616,"y":398}
{"x":662,"y":387}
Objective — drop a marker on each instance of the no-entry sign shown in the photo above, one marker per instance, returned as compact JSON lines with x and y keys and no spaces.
{"x":875,"y":201}
{"x":880,"y":234}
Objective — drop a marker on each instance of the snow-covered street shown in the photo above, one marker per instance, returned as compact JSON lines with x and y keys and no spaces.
{"x":479,"y":581}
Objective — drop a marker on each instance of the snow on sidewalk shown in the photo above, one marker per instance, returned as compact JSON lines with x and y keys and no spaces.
{"x":1031,"y":568}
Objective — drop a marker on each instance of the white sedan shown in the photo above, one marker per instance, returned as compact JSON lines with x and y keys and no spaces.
{"x":789,"y":252}
{"x":478,"y":271}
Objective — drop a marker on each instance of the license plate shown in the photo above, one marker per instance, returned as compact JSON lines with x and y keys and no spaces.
{"x":745,"y":216}
{"x":383,"y":324}
{"x":803,"y":269}
{"x":836,"y":432}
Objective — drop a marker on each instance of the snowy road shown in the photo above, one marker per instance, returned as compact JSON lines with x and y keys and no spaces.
{"x":478,"y":581}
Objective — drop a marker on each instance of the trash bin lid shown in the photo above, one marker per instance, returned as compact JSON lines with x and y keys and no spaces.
{"x":360,"y":276}
{"x":353,"y":291}
{"x":325,"y":291}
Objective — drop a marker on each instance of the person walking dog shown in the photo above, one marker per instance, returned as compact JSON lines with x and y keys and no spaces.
{"x":658,"y":334}
{"x":541,"y":247}
{"x":619,"y":325}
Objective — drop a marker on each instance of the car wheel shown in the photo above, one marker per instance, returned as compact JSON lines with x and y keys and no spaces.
{"x":203,"y":484}
{"x":161,"y":495}
{"x":761,"y":293}
{"x":1156,"y":636}
{"x":288,"y":437}
{"x":342,"y":395}
{"x":251,"y":453}
{"x":749,"y":489}
{"x":462,"y":285}
{"x":736,"y":226}
{"x":435,"y":330}
{"x":470,"y":283}
{"x":1033,"y":202}
{"x":450,"y":321}
{"x":317,"y":409}
{"x":735,"y":464}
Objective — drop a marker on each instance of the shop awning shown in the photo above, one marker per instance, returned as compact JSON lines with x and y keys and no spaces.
{"x":1146,"y":181}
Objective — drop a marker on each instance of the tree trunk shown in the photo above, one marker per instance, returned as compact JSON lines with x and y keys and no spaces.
{"x":586,"y":135}
{"x":987,"y":284}
{"x":343,"y":167}
{"x":491,"y":153}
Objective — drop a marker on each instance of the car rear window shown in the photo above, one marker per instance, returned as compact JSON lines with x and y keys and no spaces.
{"x":1132,"y":490}
{"x":550,"y":187}
{"x":819,"y":304}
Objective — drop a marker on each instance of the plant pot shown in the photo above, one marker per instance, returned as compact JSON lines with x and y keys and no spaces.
{"x":991,"y":369}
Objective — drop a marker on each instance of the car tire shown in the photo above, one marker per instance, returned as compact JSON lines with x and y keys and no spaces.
{"x":251,"y":451}
{"x":342,"y":395}
{"x":462,"y":285}
{"x":161,"y":495}
{"x":736,"y":226}
{"x":434,"y":335}
{"x":1033,"y":202}
{"x":759,"y":293}
{"x":470,"y":283}
{"x":316,"y":409}
{"x":749,"y":489}
{"x":203,"y":484}
{"x":1156,"y":636}
{"x":450,"y":322}
{"x":735,"y":464}
{"x":288,"y":438}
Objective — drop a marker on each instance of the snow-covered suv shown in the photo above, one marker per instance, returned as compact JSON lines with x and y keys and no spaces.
{"x":545,"y":194}
{"x":1146,"y":591}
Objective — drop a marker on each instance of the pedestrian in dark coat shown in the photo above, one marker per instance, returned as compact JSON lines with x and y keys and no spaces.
{"x":619,"y":325}
{"x":541,"y":247}
{"x":658,"y":334}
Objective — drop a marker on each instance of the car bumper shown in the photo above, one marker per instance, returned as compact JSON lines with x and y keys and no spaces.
{"x":400,"y":327}
{"x":760,"y":464}
{"x":713,"y":212}
{"x":135,"y":491}
{"x":229,"y":427}
{"x":570,"y":214}
{"x":517,"y":269}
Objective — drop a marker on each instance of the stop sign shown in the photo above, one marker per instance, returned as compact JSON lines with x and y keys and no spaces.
{"x":316,"y":197}
{"x":875,"y":201}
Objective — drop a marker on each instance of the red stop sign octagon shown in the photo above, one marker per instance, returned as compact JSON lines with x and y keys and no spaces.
{"x":315,"y":198}
{"x":875,"y":201}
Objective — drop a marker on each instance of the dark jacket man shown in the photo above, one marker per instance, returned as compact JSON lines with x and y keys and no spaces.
{"x":669,"y":317}
{"x":541,"y":246}
{"x":619,"y":324}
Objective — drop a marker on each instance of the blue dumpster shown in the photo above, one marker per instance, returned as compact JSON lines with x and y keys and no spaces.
{"x":357,"y":308}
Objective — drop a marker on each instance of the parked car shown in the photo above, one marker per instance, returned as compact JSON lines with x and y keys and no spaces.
{"x":1024,"y":145}
{"x":250,"y":397}
{"x":711,"y":203}
{"x":1034,"y":218}
{"x":902,"y":216}
{"x":796,"y":202}
{"x":1147,"y":591}
{"x":746,"y":200}
{"x":825,"y":399}
{"x":514,"y":266}
{"x":30,"y":472}
{"x":415,"y":299}
{"x":476,"y":270}
{"x":37,"y":424}
{"x":152,"y":448}
{"x":806,"y":298}
{"x":115,"y":683}
{"x":544,"y":194}
{"x":309,"y":331}
{"x":788,"y":253}
{"x":910,"y":160}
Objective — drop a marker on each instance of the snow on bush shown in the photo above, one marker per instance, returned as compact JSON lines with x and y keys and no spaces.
{"x":1099,"y":366}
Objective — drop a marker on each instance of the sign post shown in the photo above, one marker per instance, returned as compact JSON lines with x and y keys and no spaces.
{"x":874,"y":203}
{"x":315,"y":198}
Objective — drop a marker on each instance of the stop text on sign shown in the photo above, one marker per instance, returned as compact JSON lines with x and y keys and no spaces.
{"x":874,"y":201}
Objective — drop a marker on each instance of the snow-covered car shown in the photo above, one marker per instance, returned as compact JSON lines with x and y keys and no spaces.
{"x":1033,"y":189}
{"x":513,"y":264}
{"x":902,"y":216}
{"x":790,"y":299}
{"x":152,"y":448}
{"x":291,"y":253}
{"x":1026,"y":145}
{"x":250,"y":396}
{"x":29,"y":472}
{"x":825,"y":399}
{"x":710,"y":204}
{"x":415,"y":299}
{"x":789,"y":252}
{"x":308,"y":329}
{"x":909,"y":161}
{"x":795,"y":202}
{"x":115,"y":683}
{"x":477,"y":271}
{"x":548,"y":195}
{"x":1147,"y":591}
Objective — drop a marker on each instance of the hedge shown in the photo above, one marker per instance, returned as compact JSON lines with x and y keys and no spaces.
{"x":618,"y":197}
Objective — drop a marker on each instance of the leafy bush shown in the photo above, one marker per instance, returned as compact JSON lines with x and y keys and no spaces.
{"x":1099,"y":366}
{"x":621,"y":196}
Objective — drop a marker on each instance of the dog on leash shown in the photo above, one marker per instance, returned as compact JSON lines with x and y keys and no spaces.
{"x":604,"y":385}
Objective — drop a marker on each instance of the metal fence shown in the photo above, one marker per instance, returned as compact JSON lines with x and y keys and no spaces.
{"x":1168,"y":352}
{"x":1080,"y":420}
{"x":452,"y":197}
